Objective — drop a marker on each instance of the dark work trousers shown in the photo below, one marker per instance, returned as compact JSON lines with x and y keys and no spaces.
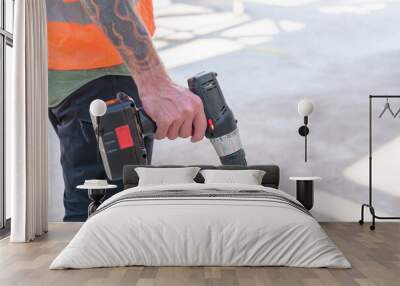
{"x":78,"y":145}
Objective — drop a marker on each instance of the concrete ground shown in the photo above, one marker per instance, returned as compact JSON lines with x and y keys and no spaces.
{"x":270,"y":54}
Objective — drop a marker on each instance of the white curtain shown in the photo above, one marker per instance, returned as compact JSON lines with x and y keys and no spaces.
{"x":26,"y":123}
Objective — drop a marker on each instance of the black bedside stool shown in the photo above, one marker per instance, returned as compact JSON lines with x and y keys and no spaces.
{"x":96,"y":194}
{"x":305,"y":190}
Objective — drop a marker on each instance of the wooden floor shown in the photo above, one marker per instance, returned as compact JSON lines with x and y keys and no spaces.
{"x":375,"y":257}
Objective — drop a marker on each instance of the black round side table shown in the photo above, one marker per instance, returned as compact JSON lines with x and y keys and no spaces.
{"x":96,"y":195}
{"x":305,"y":190}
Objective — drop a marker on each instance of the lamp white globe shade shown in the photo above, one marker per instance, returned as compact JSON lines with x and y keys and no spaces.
{"x":305,"y":107}
{"x":98,"y":108}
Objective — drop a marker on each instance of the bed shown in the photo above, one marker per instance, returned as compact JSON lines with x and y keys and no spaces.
{"x":198,"y":224}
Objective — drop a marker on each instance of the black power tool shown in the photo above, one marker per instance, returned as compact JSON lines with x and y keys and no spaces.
{"x":120,"y":127}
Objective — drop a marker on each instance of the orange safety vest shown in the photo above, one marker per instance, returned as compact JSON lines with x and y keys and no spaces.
{"x":76,"y":43}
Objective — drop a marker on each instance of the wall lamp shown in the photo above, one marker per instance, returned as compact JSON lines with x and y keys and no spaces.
{"x":305,"y":108}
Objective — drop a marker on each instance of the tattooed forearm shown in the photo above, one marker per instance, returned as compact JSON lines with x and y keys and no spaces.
{"x":121,"y":23}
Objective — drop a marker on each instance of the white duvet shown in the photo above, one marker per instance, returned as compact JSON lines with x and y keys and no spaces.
{"x":200,"y":231}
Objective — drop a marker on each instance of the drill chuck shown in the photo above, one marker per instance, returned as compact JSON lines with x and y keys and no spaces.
{"x":229,"y":148}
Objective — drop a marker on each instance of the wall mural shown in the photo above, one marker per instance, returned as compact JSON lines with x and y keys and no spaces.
{"x":269,"y":55}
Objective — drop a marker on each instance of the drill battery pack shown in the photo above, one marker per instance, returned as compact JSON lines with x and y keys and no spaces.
{"x":120,"y":136}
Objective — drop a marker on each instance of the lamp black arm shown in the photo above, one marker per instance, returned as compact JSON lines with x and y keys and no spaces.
{"x":304,"y":131}
{"x":99,"y":132}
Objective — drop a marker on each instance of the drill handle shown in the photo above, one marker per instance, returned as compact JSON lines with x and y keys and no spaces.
{"x":149,"y":127}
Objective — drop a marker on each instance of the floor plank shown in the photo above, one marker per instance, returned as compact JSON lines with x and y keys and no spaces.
{"x":375,"y":257}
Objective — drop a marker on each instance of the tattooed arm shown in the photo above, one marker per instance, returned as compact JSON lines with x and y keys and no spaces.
{"x":176,"y":111}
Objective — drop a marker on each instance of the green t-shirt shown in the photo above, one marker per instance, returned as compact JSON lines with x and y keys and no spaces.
{"x":64,"y":83}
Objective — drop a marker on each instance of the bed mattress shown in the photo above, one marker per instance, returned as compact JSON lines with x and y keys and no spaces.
{"x":201,"y":225}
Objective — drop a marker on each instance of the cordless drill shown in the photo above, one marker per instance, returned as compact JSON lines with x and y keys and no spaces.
{"x":221,"y":123}
{"x":121,"y":127}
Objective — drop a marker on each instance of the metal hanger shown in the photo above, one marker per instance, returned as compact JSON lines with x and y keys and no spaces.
{"x":387,"y":107}
{"x":397,"y":113}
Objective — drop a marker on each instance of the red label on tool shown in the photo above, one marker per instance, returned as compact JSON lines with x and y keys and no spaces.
{"x":210,"y":124}
{"x":124,"y":137}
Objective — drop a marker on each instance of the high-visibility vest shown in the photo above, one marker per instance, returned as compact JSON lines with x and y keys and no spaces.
{"x":76,"y":43}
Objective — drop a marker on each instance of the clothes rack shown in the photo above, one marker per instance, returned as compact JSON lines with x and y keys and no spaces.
{"x":370,"y":187}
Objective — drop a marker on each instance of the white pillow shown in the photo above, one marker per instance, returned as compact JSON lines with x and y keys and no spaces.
{"x":248,"y":177}
{"x":164,"y":176}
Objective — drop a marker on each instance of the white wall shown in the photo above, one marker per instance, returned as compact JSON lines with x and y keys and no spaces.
{"x":274,"y":55}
